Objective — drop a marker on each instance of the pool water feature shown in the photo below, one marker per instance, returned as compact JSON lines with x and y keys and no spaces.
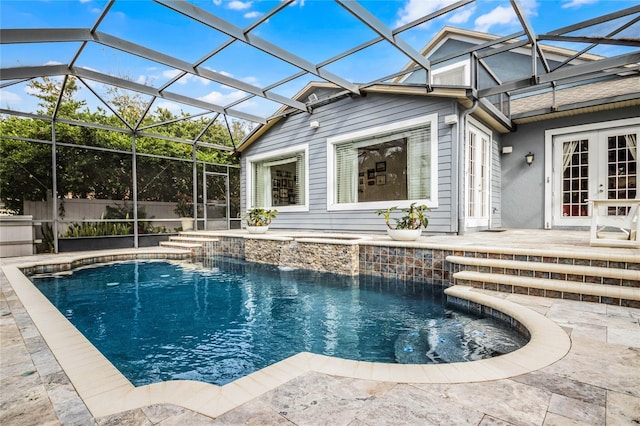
{"x":161,"y":320}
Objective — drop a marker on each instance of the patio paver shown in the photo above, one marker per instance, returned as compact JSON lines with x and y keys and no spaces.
{"x":597,"y":382}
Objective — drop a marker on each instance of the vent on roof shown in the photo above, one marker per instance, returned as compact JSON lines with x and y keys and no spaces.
{"x":313,"y":98}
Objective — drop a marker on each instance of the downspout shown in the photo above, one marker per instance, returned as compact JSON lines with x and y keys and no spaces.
{"x":462,"y":131}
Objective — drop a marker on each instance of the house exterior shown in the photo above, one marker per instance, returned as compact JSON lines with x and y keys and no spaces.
{"x":451,"y":142}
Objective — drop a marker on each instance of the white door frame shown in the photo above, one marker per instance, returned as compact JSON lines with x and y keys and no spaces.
{"x":482,"y":220}
{"x":549,"y":135}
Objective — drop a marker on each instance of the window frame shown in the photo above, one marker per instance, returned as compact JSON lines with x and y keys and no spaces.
{"x":464,"y":64}
{"x":249,"y":167}
{"x":399,"y":126}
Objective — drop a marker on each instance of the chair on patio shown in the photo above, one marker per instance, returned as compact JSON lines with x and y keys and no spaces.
{"x":611,"y":230}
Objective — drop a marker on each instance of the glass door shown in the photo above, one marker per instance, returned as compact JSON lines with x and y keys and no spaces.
{"x":599,"y":165}
{"x":478,"y":175}
{"x":216,"y":196}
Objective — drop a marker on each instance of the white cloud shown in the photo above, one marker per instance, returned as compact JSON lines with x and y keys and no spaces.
{"x":32,"y":91}
{"x":415,"y":9}
{"x":530,"y":7}
{"x":499,"y":16}
{"x":251,"y":80}
{"x":8,"y":98}
{"x":185,"y":78}
{"x":53,"y":63}
{"x":462,"y":16}
{"x":219,"y":98}
{"x":239,"y":5}
{"x":253,"y":14}
{"x":574,"y":4}
{"x":217,"y":2}
{"x":89,"y":68}
{"x":171,"y":73}
{"x":174,"y":108}
{"x":85,"y":1}
{"x":142,"y":79}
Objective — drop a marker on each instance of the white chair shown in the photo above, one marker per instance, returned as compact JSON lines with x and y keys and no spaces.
{"x":615,"y":231}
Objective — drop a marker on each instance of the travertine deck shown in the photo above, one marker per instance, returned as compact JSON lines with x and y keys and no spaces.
{"x":598,"y":380}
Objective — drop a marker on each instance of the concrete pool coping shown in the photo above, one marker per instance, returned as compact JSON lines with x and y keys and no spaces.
{"x":105,"y":391}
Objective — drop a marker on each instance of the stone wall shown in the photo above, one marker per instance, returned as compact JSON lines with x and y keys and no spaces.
{"x":421,"y":265}
{"x":406,"y":263}
{"x":317,"y":256}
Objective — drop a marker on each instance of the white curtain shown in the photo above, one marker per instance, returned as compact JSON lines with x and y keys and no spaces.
{"x":568,"y":148}
{"x":632,"y":144}
{"x":419,"y":164}
{"x":346,"y":169}
{"x":260,"y":184}
{"x":301,"y":177}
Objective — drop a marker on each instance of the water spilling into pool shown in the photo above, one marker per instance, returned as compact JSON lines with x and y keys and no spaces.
{"x":157,"y":320}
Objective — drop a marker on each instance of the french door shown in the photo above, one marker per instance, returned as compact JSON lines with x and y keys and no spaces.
{"x":598,"y":164}
{"x":478,"y":171}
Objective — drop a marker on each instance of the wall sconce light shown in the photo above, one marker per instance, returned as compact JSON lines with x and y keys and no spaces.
{"x":314,"y":124}
{"x":529,"y":158}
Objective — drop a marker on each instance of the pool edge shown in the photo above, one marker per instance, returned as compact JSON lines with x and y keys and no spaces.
{"x":105,"y":391}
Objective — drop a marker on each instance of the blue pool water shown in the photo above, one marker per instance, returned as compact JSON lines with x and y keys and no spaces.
{"x":158,"y":320}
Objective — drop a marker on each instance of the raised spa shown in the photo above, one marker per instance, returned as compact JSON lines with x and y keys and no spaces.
{"x":162,"y":320}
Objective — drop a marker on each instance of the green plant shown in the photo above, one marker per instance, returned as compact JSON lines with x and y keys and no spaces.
{"x":184,"y":206}
{"x":126,"y":212}
{"x":97,"y":229}
{"x":414,"y":217}
{"x":47,"y":238}
{"x":259,"y":217}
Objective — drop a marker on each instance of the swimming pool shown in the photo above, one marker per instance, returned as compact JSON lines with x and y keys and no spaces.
{"x":158,"y":321}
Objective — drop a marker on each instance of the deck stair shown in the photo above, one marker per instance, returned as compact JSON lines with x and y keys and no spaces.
{"x":567,"y":278}
{"x":189,"y":241}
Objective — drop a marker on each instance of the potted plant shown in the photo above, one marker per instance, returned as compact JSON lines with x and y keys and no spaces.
{"x":409,"y":226}
{"x":184,"y":210}
{"x":258,"y":220}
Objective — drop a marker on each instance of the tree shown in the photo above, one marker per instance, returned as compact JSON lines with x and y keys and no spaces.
{"x":83,"y":172}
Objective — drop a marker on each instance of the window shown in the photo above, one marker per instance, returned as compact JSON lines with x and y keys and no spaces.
{"x":278,"y":181}
{"x":391,"y":164}
{"x":452,"y":75}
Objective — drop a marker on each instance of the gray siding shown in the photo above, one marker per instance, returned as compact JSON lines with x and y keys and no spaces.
{"x":496,"y":183}
{"x":523,"y":186}
{"x":345,"y":116}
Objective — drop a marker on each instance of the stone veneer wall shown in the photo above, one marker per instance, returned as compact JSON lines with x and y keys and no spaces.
{"x":406,"y":263}
{"x":324,"y":256}
{"x":420,"y":265}
{"x":53,"y":266}
{"x":226,"y":246}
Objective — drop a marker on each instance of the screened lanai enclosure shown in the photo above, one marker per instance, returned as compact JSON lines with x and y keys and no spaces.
{"x":120,"y":119}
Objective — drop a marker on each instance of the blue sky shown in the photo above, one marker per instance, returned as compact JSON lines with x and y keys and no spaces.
{"x":312,"y":29}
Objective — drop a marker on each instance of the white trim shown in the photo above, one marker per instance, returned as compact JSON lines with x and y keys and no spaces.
{"x":431,"y":119}
{"x":472,"y":122}
{"x":464,"y":64}
{"x":548,"y":156}
{"x":271,"y":154}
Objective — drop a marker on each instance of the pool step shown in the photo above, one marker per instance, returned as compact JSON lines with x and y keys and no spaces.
{"x":558,"y":271}
{"x":576,"y":282}
{"x":180,"y":244}
{"x":195,"y":244}
{"x":187,"y":239}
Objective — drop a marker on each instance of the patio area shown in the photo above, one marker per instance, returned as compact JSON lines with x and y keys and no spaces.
{"x":596,"y":382}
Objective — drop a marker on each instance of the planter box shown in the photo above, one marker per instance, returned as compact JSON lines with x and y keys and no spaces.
{"x":16,"y":236}
{"x":109,"y":242}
